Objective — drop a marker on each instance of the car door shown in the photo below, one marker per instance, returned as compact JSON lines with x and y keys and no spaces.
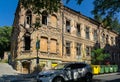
{"x":72,"y":72}
{"x":81,"y":69}
{"x":69,"y":71}
{"x":75,"y":71}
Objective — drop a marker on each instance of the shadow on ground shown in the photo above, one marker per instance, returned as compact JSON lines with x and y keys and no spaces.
{"x":18,"y":78}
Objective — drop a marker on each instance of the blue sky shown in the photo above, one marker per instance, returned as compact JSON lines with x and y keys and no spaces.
{"x":8,"y":7}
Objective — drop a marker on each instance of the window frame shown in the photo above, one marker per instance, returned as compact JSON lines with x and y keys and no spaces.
{"x":87,"y":32}
{"x":68,"y":26}
{"x":68,"y":48}
{"x":78,"y":29}
{"x":78,"y":49}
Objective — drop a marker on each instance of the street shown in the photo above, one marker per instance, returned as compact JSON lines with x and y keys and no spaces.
{"x":114,"y":77}
{"x":7,"y":74}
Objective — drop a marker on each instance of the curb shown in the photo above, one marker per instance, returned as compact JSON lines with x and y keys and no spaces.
{"x":105,"y":74}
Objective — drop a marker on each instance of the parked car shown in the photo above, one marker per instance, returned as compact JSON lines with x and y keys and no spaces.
{"x":67,"y":72}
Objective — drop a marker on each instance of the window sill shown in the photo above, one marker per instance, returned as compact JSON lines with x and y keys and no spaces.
{"x":26,"y":51}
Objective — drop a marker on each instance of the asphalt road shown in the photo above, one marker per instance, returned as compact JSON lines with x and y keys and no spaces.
{"x":7,"y":74}
{"x":114,"y":77}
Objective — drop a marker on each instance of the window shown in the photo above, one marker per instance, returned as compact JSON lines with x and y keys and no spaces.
{"x":112,"y":41}
{"x":27,"y":42}
{"x":95,"y":35}
{"x":103,"y":37}
{"x":68,"y":28}
{"x":44,"y":44}
{"x":68,"y":52}
{"x":44,"y":17}
{"x":87,"y":33}
{"x":78,"y":29}
{"x":80,"y":65}
{"x":78,"y":49}
{"x":107,"y":39}
{"x":70,"y":66}
{"x":88,"y":51}
{"x":28,"y":19}
{"x":76,"y":66}
{"x":53,"y":46}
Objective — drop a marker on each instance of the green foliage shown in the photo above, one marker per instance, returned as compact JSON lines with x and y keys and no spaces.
{"x":106,"y":7}
{"x":5,"y":35}
{"x":98,"y":56}
{"x":105,"y":11}
{"x":49,"y":5}
{"x":115,"y":25}
{"x":4,"y":61}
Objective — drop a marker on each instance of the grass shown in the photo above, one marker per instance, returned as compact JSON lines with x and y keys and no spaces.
{"x":4,"y":61}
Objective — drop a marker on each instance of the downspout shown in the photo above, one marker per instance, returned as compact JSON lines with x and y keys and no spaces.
{"x":99,"y":45}
{"x":63,"y":32}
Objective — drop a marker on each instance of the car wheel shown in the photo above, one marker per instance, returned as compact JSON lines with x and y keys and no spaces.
{"x":88,"y":78}
{"x":58,"y":79}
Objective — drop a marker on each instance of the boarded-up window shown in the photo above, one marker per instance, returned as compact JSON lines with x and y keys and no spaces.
{"x":53,"y":46}
{"x":43,"y":44}
{"x":53,"y":21}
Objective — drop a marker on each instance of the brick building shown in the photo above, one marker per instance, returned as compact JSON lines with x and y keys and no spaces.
{"x":64,"y":36}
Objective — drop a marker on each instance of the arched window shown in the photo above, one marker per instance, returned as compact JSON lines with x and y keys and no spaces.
{"x":44,"y":17}
{"x":28,"y":20}
{"x":53,"y":21}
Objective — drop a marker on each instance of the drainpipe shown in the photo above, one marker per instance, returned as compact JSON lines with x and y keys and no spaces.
{"x":63,"y":32}
{"x":99,"y":45}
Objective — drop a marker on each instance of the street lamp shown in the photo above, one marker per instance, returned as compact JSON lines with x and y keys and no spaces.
{"x":37,"y":48}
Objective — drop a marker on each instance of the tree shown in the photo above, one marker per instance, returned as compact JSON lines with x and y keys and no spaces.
{"x":115,"y":25}
{"x":106,"y":7}
{"x":49,"y":5}
{"x":37,"y":5}
{"x":5,"y":35}
{"x":98,"y":56}
{"x":105,"y":11}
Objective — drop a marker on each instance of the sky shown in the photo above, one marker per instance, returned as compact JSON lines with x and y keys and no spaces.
{"x":8,"y":8}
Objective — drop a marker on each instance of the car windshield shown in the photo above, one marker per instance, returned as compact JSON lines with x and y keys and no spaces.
{"x":60,"y":66}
